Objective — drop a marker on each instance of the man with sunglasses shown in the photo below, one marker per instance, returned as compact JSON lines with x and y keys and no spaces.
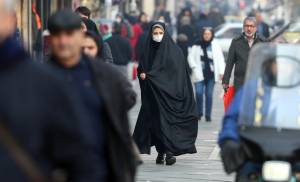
{"x":239,"y":52}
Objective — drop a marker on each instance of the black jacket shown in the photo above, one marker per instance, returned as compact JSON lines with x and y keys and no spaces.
{"x":238,"y":57}
{"x":117,"y":98}
{"x":121,"y":49}
{"x":45,"y":119}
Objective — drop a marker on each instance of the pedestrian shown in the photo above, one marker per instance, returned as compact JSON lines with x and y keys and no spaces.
{"x":104,"y":94}
{"x":85,"y":14}
{"x":95,"y":47}
{"x":216,"y":17}
{"x":262,"y":27}
{"x":239,"y":52}
{"x":207,"y":62}
{"x":186,"y":12}
{"x":168,"y":116}
{"x":126,"y":28}
{"x":136,"y":33}
{"x":143,"y":19}
{"x":202,"y":22}
{"x":186,"y":35}
{"x":106,"y":54}
{"x":41,"y":122}
{"x":121,"y":49}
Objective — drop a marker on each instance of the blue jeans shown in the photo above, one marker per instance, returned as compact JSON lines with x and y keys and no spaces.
{"x":205,"y":87}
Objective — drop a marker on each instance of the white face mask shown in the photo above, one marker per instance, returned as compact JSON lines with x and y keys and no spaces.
{"x":157,"y":38}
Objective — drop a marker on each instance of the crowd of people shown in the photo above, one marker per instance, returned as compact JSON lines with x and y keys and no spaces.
{"x":68,"y":117}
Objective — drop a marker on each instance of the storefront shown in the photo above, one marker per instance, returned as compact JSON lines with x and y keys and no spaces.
{"x":32,"y":18}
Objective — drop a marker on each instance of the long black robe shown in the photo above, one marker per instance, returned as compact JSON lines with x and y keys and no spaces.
{"x":168,"y":113}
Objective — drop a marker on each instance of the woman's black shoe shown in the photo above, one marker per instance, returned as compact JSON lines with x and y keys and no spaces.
{"x":170,"y":159}
{"x":160,"y":159}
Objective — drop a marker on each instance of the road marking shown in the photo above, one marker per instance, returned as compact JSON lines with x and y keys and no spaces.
{"x":215,"y":154}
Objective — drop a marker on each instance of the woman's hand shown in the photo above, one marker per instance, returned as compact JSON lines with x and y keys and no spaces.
{"x":143,"y":76}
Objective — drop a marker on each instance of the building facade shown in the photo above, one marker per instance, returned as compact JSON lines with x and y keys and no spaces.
{"x":32,"y":18}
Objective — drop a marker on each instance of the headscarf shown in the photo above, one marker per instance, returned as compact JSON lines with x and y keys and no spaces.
{"x":201,"y":41}
{"x":152,"y":46}
{"x":98,"y":40}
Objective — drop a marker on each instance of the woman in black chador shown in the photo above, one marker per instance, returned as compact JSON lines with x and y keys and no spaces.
{"x":168,"y":116}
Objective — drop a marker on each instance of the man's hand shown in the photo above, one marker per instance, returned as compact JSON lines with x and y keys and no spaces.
{"x":143,"y":76}
{"x":225,"y":87}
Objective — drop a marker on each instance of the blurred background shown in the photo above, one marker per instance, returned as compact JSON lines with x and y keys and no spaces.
{"x":282,"y":16}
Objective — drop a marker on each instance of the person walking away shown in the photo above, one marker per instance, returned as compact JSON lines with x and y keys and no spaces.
{"x":85,"y":14}
{"x":40,"y":115}
{"x":262,"y":27}
{"x":104,"y":94}
{"x":239,"y":52}
{"x":168,"y":115}
{"x":94,"y":46}
{"x":207,"y":62}
{"x":121,"y":49}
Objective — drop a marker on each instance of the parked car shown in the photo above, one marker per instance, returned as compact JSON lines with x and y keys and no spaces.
{"x":225,"y":33}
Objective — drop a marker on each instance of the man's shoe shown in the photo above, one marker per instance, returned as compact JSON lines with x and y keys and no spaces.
{"x":170,"y":159}
{"x":160,"y":159}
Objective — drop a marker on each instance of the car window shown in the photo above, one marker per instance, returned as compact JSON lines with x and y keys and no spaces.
{"x":231,"y":33}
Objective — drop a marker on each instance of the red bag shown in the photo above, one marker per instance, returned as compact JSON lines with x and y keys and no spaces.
{"x":228,"y":97}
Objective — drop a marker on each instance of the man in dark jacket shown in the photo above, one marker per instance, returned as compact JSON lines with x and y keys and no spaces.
{"x":40,"y":114}
{"x":106,"y":96}
{"x":239,"y":52}
{"x":120,"y":48}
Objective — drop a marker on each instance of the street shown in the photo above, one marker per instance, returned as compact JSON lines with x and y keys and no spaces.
{"x":200,"y":167}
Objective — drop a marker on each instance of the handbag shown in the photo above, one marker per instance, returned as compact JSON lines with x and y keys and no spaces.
{"x":228,"y":97}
